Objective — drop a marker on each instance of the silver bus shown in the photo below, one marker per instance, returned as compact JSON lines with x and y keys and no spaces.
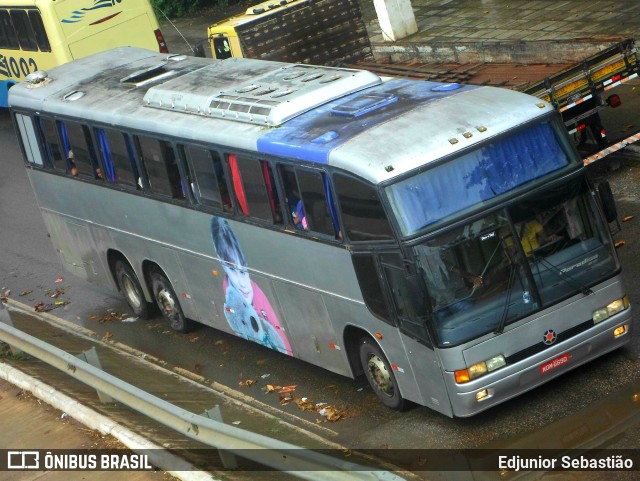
{"x":443,"y":240}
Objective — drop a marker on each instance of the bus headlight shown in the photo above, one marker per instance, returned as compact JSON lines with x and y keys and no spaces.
{"x":480,"y":369}
{"x":610,"y":309}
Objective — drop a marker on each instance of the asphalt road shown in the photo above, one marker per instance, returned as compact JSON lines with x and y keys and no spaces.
{"x":29,"y":266}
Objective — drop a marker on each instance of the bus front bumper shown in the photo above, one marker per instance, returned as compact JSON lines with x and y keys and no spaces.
{"x":506,"y":383}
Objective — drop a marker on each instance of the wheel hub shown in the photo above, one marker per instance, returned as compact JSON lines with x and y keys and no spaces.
{"x":380,"y":375}
{"x":168,"y":304}
{"x":130,"y":292}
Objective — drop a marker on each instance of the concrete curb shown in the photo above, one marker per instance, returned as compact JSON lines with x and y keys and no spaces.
{"x":96,"y":421}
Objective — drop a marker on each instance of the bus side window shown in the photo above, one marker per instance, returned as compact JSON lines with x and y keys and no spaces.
{"x":202,"y":175}
{"x":370,"y":285}
{"x":117,"y":157}
{"x":308,"y":201}
{"x":39,"y":31}
{"x":8,"y":37}
{"x":161,"y":165}
{"x":362,"y":213}
{"x":77,"y":139}
{"x":53,"y":146}
{"x":29,"y":140}
{"x":314,"y":199}
{"x":250,"y":187}
{"x":209,"y":184}
{"x":22,"y":25}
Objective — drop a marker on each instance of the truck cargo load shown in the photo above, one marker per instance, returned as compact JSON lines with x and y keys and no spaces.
{"x":319,"y":32}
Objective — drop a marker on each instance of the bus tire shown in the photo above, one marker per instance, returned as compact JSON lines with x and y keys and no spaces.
{"x":380,"y":375}
{"x":130,"y":287}
{"x":168,"y":303}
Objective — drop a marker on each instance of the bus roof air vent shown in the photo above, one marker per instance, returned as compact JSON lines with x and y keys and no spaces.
{"x":148,"y":75}
{"x":37,"y":79}
{"x":272,"y":96}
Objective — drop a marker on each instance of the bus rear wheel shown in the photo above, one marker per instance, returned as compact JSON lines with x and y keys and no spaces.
{"x":168,"y":303}
{"x":380,"y":375}
{"x":130,"y":287}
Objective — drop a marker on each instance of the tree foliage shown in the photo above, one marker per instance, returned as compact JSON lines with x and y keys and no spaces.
{"x":177,"y":8}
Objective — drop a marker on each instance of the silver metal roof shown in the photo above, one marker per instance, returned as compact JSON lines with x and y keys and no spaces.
{"x":119,"y":87}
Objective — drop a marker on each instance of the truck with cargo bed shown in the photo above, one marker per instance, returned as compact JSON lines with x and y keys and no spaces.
{"x":582,"y":91}
{"x":319,"y":32}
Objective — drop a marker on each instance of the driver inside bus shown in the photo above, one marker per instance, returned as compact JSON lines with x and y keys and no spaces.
{"x":445,"y":281}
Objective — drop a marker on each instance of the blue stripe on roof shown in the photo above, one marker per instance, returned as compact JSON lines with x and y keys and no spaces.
{"x":312,"y":135}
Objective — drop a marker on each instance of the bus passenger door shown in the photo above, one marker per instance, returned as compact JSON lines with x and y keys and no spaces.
{"x":409,"y":306}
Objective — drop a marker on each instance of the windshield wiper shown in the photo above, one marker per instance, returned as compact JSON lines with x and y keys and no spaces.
{"x":505,"y":311}
{"x":564,"y":276}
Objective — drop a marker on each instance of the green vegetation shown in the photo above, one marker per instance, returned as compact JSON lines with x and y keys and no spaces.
{"x":177,"y":8}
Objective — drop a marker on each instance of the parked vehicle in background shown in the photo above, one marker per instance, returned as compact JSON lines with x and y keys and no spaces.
{"x":579,"y":91}
{"x":40,"y":34}
{"x":317,"y":32}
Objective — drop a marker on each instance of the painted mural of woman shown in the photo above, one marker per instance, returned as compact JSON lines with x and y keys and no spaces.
{"x":246,"y":308}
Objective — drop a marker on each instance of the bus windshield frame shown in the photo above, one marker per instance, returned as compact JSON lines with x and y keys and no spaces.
{"x":477,"y":179}
{"x":520,"y":259}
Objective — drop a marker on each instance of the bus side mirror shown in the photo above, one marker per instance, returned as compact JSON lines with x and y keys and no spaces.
{"x":608,"y":202}
{"x":198,"y":51}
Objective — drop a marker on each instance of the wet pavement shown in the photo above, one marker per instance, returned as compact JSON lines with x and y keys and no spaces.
{"x":469,"y":31}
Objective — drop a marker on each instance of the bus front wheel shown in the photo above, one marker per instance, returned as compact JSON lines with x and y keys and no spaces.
{"x":168,"y":303}
{"x":130,"y":287}
{"x":380,"y":375}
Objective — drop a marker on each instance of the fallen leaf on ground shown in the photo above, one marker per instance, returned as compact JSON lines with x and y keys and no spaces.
{"x":272,"y":388}
{"x":304,"y":404}
{"x":111,"y":316}
{"x":55,"y":294}
{"x":26,"y":292}
{"x":285,"y":389}
{"x":247,"y":382}
{"x":627,"y":218}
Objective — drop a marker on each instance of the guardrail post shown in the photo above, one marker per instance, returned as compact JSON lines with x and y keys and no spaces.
{"x":6,"y":318}
{"x":91,"y":357}
{"x":229,"y":461}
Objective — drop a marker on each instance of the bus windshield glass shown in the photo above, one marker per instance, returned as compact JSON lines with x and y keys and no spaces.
{"x":523,"y":258}
{"x":474,"y":179}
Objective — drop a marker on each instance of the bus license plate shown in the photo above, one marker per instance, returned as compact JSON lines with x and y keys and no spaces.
{"x":555,"y":363}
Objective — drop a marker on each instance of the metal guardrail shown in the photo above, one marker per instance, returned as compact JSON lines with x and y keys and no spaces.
{"x":282,"y":456}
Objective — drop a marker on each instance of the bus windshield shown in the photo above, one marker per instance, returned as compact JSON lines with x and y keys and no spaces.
{"x":476,"y":178}
{"x":523,"y":258}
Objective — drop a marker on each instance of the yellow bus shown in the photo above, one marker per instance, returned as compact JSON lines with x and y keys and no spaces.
{"x":40,"y":34}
